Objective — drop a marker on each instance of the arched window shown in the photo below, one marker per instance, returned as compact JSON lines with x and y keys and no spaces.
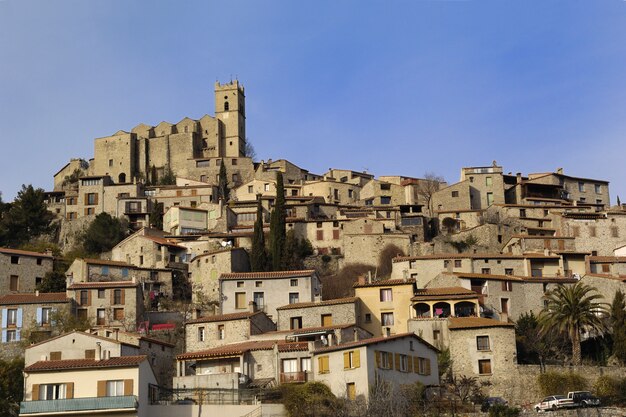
{"x":226,"y":106}
{"x":122,"y":178}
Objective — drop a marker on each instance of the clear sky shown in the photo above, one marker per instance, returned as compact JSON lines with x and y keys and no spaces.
{"x":392,"y":87}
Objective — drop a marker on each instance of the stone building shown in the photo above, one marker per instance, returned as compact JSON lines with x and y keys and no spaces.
{"x":205,"y":270}
{"x":319,"y":313}
{"x":21,"y":271}
{"x":268,"y":290}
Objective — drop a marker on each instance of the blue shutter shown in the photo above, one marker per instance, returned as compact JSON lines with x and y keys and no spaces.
{"x":17,"y":335}
{"x":39,"y":316}
{"x":4,"y":318}
{"x":19,"y":318}
{"x":4,"y":336}
{"x":124,"y":272}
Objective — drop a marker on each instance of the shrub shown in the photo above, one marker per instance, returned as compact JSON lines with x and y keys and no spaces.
{"x":552,"y":383}
{"x":309,"y":399}
{"x":501,"y":410}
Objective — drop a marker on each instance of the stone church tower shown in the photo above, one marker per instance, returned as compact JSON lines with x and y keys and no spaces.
{"x":230,"y":102}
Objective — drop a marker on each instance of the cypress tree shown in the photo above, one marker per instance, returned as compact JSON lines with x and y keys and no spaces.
{"x":618,"y":323}
{"x":222,"y":190}
{"x":258,"y":255}
{"x":278,"y":234}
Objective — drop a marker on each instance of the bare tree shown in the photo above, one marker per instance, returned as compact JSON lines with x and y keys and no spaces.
{"x":429,"y":185}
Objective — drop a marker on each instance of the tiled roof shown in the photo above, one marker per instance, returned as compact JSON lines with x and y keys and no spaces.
{"x":108,"y":284}
{"x":608,"y":276}
{"x":267,"y":275}
{"x":471,"y":256}
{"x":373,"y":340}
{"x":321,"y":328}
{"x":24,"y":253}
{"x":347,"y":300}
{"x":384,"y":283}
{"x":32,"y":298}
{"x":605,"y":259}
{"x":553,"y":279}
{"x":107,"y":262}
{"x":163,"y":241}
{"x":119,"y":362}
{"x":225,"y":317}
{"x":445,"y":292}
{"x":240,"y":348}
{"x":458,"y":323}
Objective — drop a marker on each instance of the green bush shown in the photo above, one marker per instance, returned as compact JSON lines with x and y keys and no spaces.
{"x":552,"y":383}
{"x":611,"y":390}
{"x":501,"y":410}
{"x":309,"y":399}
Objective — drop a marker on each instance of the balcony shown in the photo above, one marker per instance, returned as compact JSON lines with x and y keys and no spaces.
{"x":291,"y":377}
{"x":126,"y":402}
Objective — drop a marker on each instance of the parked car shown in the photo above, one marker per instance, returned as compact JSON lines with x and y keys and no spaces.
{"x":583,"y":399}
{"x":553,"y":402}
{"x":491,"y":401}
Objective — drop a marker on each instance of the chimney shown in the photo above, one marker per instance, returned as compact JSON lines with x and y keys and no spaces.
{"x":559,"y":171}
{"x":117,"y":334}
{"x":369,"y":277}
{"x":36,"y":293}
{"x":518,"y":177}
{"x":98,"y":351}
{"x":356,"y":334}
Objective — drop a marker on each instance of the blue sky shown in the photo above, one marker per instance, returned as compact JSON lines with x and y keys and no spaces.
{"x":394,"y":87}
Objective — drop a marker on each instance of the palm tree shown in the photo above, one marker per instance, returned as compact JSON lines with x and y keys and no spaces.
{"x":572,"y":310}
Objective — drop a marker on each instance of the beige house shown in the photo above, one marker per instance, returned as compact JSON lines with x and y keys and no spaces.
{"x":352,"y":369}
{"x":267,"y":290}
{"x":185,"y":220}
{"x":206,"y":268}
{"x":148,"y":248}
{"x":21,"y":271}
{"x":381,"y":193}
{"x":82,"y":387}
{"x":385,"y":305}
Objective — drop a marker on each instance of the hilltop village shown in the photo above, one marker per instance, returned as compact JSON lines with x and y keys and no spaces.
{"x":379,"y":276}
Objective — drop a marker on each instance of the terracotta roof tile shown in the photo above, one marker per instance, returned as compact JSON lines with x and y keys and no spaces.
{"x":163,"y":241}
{"x":384,"y":283}
{"x":119,"y":362}
{"x":444,"y":292}
{"x":348,"y":300}
{"x":267,"y":275}
{"x":484,"y":276}
{"x":107,"y":284}
{"x":472,"y":256}
{"x":32,"y":298}
{"x":607,"y":259}
{"x":107,"y":262}
{"x":459,"y":323}
{"x":240,"y":348}
{"x":24,"y":253}
{"x":225,"y":317}
{"x":321,"y":328}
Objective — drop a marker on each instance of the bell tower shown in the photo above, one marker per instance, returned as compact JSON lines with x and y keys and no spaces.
{"x":230,"y":111}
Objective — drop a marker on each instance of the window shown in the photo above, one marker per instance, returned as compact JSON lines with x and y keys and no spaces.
{"x":522,"y":213}
{"x":323,"y":365}
{"x":239,"y":284}
{"x":484,"y":366}
{"x":295,"y":323}
{"x":508,"y":271}
{"x":39,"y":261}
{"x":250,"y":189}
{"x":240,"y":300}
{"x":368,"y":318}
{"x":455,"y":194}
{"x":90,"y":354}
{"x":507,"y":286}
{"x":598,"y":188}
{"x":489,"y":199}
{"x":383,"y":359}
{"x":504,"y":305}
{"x":592,"y":231}
{"x":12,"y":317}
{"x":221,"y":333}
{"x":115,"y":388}
{"x":293,"y":283}
{"x":100,"y":318}
{"x":351,"y":391}
{"x":423,"y":365}
{"x":56,"y":356}
{"x":266,"y":187}
{"x":482,"y":342}
{"x":581,"y":187}
{"x":351,"y":359}
{"x":91,"y":199}
{"x":45,"y":316}
{"x":258,"y":284}
{"x":488,"y":181}
{"x":233,"y":162}
{"x":436,"y":334}
{"x":486,"y":271}
{"x":84,"y":297}
{"x":117,"y":297}
{"x":14,"y":283}
{"x":52,"y":392}
{"x":118,"y":314}
{"x":386,"y":295}
{"x":385,"y":200}
{"x":614,"y":231}
{"x":259,"y":299}
{"x":101,"y":293}
{"x":446,"y":263}
{"x":294,"y":297}
{"x":319,"y":235}
{"x":471,"y":179}
{"x":335,"y":234}
{"x":110,"y":162}
{"x":201,"y":334}
{"x":327,"y":320}
{"x":386,"y":319}
{"x":15,"y":259}
{"x":457,"y":263}
{"x":81,"y":313}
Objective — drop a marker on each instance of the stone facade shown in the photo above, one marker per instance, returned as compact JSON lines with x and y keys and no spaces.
{"x":205,"y":270}
{"x":21,"y":271}
{"x":320,"y":313}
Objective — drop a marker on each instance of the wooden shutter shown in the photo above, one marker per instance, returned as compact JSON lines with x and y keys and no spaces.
{"x":416,"y":364}
{"x":128,"y":387}
{"x":346,"y":360}
{"x":320,"y":364}
{"x":112,"y":296}
{"x":397,"y":361}
{"x":102,"y":388}
{"x":88,"y":297}
{"x":86,"y":199}
{"x":426,"y":366}
{"x":122,"y":295}
{"x":377,"y":358}
{"x":69,"y":390}
{"x":356,"y":358}
{"x":95,"y":198}
{"x":409,"y":364}
{"x":35,"y":396}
